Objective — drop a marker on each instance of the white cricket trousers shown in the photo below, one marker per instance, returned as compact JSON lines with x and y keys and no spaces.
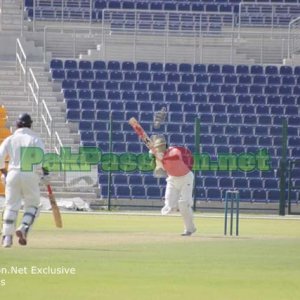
{"x":20,"y":186}
{"x":179,"y":194}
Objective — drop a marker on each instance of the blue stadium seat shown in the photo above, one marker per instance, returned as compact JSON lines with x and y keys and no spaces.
{"x":116,"y":75}
{"x":185,"y":68}
{"x":97,"y":85}
{"x":241,"y":183}
{"x":226,"y":183}
{"x":98,"y":64}
{"x":70,"y":64}
{"x":197,"y":7}
{"x":113,"y":65}
{"x":120,"y":179}
{"x":259,"y":195}
{"x":156,"y":67}
{"x":70,"y":94}
{"x":273,"y":195}
{"x":72,"y":74}
{"x":101,"y":75}
{"x":213,"y":68}
{"x":88,"y":104}
{"x":87,"y":136}
{"x":56,"y":64}
{"x":171,"y":67}
{"x":288,"y":80}
{"x":199,"y":68}
{"x":231,"y":130}
{"x":230,"y":79}
{"x":88,"y":115}
{"x":85,"y":65}
{"x":142,"y":96}
{"x":286,"y":70}
{"x":123,"y":191}
{"x":100,"y":126}
{"x":84,"y":94}
{"x":142,"y":66}
{"x":58,"y":74}
{"x":242,"y":69}
{"x":271,"y":70}
{"x":137,"y":179}
{"x":72,"y":104}
{"x":134,"y":147}
{"x":244,"y":79}
{"x":82,"y":84}
{"x":138,"y":192}
{"x":161,"y":77}
{"x":112,"y":85}
{"x":187,"y":128}
{"x":244,"y":99}
{"x":68,"y":84}
{"x":173,"y":77}
{"x":256,"y":69}
{"x":153,"y":192}
{"x":214,"y":194}
{"x":259,"y":79}
{"x":227,"y":69}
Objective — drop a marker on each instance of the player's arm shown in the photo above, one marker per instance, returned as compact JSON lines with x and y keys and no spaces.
{"x":3,"y":155}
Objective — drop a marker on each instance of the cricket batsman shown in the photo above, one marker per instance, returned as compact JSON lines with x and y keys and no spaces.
{"x":177,"y":163}
{"x":20,"y":185}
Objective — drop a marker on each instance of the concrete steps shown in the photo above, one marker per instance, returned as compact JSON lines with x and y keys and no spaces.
{"x":13,"y":96}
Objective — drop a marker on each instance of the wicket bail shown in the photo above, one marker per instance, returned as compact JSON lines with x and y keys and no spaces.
{"x":234,"y":197}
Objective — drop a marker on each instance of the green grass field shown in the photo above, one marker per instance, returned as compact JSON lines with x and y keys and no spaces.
{"x":143,"y":257}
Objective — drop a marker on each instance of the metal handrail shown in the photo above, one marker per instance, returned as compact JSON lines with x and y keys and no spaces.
{"x":47,"y":121}
{"x":21,"y":62}
{"x":34,"y":92}
{"x":63,"y":9}
{"x":291,"y":40}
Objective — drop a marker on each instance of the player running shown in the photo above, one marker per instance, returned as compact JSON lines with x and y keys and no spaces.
{"x":19,"y":185}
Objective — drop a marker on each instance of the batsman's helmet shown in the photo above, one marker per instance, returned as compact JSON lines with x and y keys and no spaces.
{"x":24,"y":120}
{"x":160,"y":142}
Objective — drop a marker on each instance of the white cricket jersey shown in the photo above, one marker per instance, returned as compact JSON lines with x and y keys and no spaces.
{"x":11,"y":146}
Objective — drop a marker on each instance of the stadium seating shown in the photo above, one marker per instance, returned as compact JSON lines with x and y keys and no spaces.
{"x":246,"y":117}
{"x":256,"y":13}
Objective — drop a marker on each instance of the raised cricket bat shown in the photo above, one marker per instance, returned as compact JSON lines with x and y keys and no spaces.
{"x":55,"y":209}
{"x":139,"y":130}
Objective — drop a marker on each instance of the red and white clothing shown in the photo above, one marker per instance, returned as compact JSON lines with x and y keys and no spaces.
{"x":178,"y":162}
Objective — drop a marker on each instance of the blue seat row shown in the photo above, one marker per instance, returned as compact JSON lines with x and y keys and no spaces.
{"x":147,"y":107}
{"x":173,"y":67}
{"x":132,"y":99}
{"x":154,"y":192}
{"x":187,"y":88}
{"x":88,"y":78}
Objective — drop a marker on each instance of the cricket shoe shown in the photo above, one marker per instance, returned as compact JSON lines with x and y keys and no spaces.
{"x":22,"y":234}
{"x":7,"y":241}
{"x":188,"y":233}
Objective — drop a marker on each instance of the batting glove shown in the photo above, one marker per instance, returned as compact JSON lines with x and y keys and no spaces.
{"x":45,"y":179}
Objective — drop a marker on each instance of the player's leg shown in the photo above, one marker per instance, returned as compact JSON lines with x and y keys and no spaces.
{"x":185,"y":204}
{"x":171,"y":196}
{"x":11,"y":208}
{"x":31,"y":192}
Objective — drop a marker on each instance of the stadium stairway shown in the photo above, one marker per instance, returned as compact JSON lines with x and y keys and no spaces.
{"x":151,"y":47}
{"x":15,"y":99}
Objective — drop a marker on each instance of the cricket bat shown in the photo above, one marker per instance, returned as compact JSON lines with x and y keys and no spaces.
{"x":139,"y":130}
{"x":55,"y":209}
